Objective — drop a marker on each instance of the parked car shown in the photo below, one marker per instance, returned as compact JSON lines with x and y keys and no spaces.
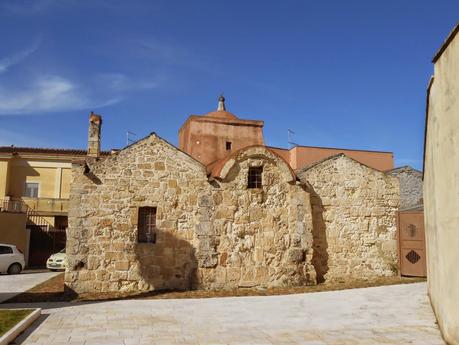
{"x":57,"y":261}
{"x":11,"y":259}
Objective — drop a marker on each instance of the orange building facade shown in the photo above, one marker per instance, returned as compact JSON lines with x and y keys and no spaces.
{"x":302,"y":156}
{"x":218,"y":134}
{"x":213,"y":136}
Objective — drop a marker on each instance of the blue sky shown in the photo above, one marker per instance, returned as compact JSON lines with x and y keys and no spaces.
{"x":349,"y":74}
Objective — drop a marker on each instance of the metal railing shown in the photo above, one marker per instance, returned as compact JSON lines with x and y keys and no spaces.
{"x":33,"y":217}
{"x":47,"y":204}
{"x":13,"y":205}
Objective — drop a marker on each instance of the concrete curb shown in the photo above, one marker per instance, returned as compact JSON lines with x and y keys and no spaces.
{"x":20,"y":327}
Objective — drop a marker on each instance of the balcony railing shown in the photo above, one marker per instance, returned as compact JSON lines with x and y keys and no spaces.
{"x":34,"y":218}
{"x":14,"y":206}
{"x":47,"y":205}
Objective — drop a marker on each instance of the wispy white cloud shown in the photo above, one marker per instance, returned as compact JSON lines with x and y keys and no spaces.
{"x":164,"y":53}
{"x":14,"y":59}
{"x":122,"y":83}
{"x":9,"y":137}
{"x":25,"y":7}
{"x":58,"y":92}
{"x":34,"y":7}
{"x":47,"y":94}
{"x":53,"y":93}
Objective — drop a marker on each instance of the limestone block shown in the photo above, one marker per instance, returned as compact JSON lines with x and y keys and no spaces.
{"x":233,"y":274}
{"x":205,"y":229}
{"x":389,"y":246}
{"x":207,"y":259}
{"x":295,"y":255}
{"x":160,"y":166}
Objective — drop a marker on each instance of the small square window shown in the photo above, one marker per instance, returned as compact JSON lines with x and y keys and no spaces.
{"x":255,"y":177}
{"x":146,"y":225}
{"x":31,"y":189}
{"x":228,"y":146}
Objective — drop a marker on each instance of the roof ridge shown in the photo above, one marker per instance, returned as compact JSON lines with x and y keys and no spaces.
{"x":18,"y":149}
{"x":312,"y":165}
{"x":402,"y":167}
{"x":341,"y":154}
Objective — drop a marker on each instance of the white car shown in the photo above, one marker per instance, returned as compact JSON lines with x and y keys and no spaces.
{"x":11,"y":259}
{"x":57,"y":261}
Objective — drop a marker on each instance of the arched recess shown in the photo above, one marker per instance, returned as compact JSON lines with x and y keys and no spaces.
{"x":222,"y":168}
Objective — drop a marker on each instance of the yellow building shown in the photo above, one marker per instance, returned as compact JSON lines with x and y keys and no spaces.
{"x":34,"y":196}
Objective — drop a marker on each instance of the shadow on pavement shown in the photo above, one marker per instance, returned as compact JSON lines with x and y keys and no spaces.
{"x":24,"y":335}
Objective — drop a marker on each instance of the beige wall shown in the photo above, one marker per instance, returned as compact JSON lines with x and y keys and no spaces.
{"x":53,"y":176}
{"x":4,"y":178}
{"x":65,"y":183}
{"x":441,"y":192}
{"x":13,"y":231}
{"x":22,"y":174}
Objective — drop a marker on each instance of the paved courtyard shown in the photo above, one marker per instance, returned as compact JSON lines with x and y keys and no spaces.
{"x":12,"y":285}
{"x":398,"y":314}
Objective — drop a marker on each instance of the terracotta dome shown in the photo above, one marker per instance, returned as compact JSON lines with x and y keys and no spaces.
{"x":222,"y":114}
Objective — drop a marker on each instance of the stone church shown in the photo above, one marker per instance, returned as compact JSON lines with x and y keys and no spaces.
{"x":225,"y":211}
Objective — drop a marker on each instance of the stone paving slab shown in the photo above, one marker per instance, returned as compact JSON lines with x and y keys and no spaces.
{"x":398,"y":314}
{"x":12,"y":285}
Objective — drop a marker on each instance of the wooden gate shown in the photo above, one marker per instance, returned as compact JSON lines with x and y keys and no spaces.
{"x":412,"y":246}
{"x":43,"y":243}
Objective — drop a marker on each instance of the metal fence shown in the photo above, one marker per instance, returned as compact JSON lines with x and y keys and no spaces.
{"x":13,"y":205}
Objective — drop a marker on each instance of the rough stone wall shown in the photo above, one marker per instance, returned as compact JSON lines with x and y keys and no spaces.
{"x":354,"y":217}
{"x":263,"y":237}
{"x":210,"y":234}
{"x":410,"y":186}
{"x":102,"y":243}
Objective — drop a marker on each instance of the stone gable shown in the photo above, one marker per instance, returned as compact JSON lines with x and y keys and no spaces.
{"x":262,"y":237}
{"x":410,"y":186}
{"x":211,"y":233}
{"x":354,"y":215}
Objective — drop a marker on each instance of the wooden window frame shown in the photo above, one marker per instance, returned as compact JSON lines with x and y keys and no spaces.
{"x":255,"y":178}
{"x":146,"y":224}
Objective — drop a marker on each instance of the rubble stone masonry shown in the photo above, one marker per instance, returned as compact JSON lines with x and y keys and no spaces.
{"x":410,"y":186}
{"x":355,"y":219}
{"x":211,"y":232}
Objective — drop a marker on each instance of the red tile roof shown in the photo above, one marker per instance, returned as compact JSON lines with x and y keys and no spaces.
{"x":214,"y":168}
{"x":61,"y":151}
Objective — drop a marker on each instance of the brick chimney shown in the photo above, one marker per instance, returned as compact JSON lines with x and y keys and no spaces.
{"x":95,"y":125}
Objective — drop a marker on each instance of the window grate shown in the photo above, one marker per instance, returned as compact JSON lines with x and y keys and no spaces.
{"x":255,"y":177}
{"x":412,"y":257}
{"x":147,"y":225}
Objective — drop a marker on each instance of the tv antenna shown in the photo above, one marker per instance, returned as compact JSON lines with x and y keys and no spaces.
{"x":290,"y":135}
{"x":129,"y":138}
